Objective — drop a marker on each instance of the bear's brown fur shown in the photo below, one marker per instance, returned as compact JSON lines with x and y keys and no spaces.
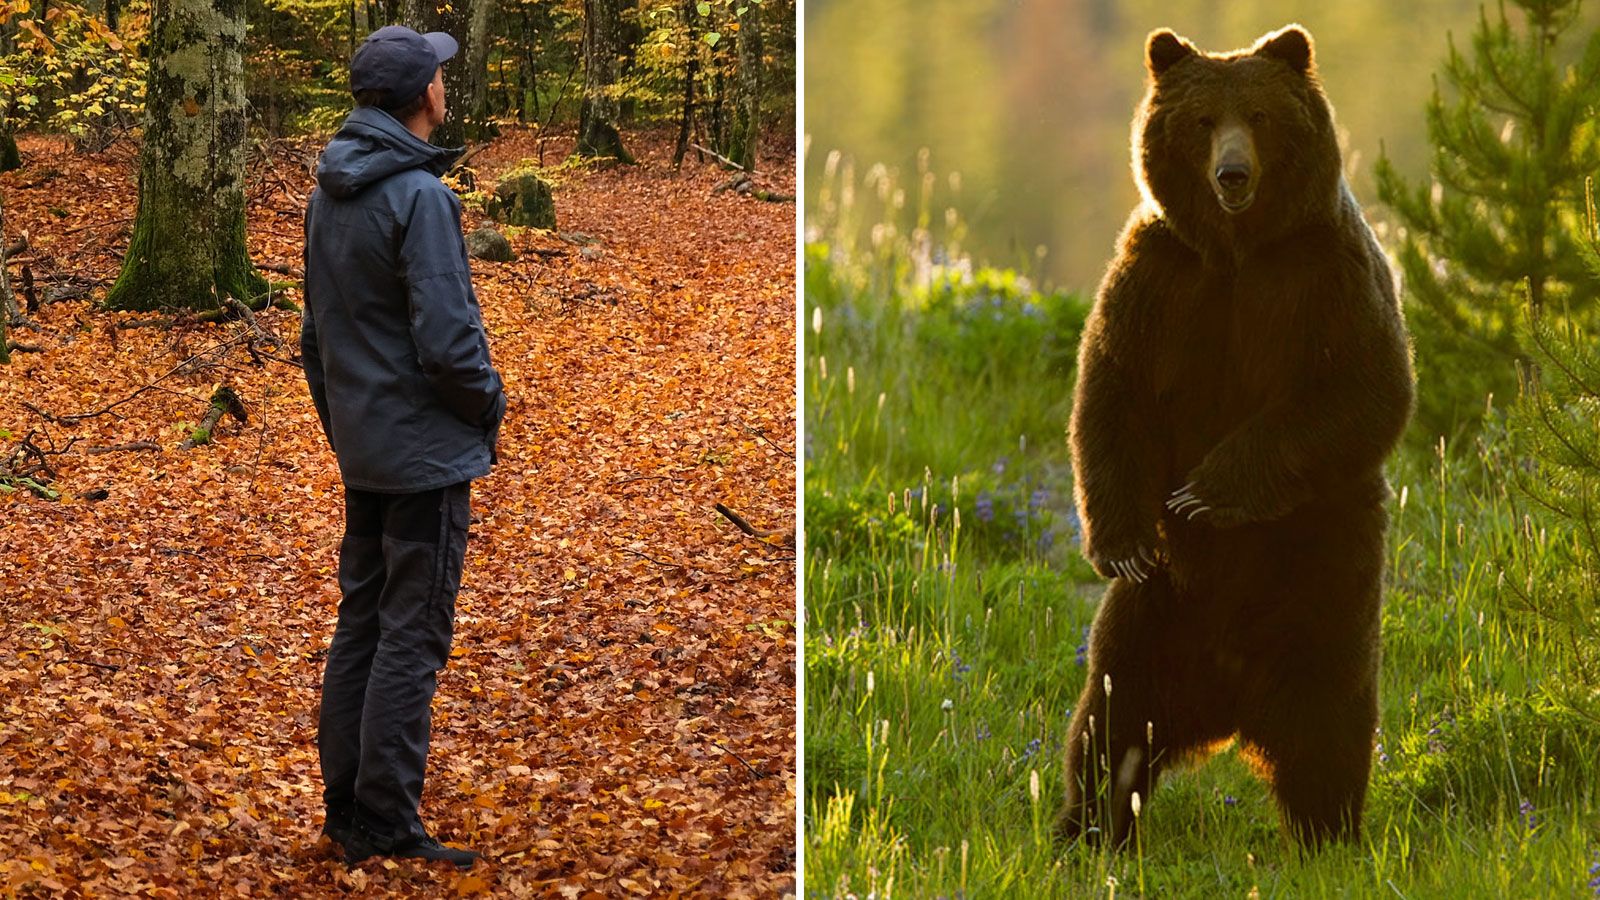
{"x":1242,"y":378}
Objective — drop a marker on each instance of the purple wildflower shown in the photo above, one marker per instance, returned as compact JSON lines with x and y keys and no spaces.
{"x":982,"y":732}
{"x":1530,"y":818}
{"x":1030,"y":750}
{"x":985,"y":505}
{"x":1230,"y":800}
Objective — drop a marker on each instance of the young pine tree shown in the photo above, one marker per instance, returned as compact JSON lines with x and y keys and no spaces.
{"x":1496,"y":225}
{"x":1555,"y":425}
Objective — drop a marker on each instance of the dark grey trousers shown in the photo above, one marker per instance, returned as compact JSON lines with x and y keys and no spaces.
{"x":399,"y":571}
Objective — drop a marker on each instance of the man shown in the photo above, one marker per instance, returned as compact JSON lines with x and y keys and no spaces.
{"x":398,"y":366}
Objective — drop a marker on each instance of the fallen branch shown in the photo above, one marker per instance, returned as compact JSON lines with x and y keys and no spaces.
{"x":262,"y":335}
{"x":28,"y":292}
{"x":15,"y":347}
{"x":783,"y":538}
{"x":224,"y":401}
{"x":744,"y":186}
{"x":720,"y":158}
{"x":130,"y":447}
{"x":281,"y":269}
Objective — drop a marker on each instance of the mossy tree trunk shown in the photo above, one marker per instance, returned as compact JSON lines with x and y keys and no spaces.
{"x":597,"y":116}
{"x":188,"y":241}
{"x":743,"y":137}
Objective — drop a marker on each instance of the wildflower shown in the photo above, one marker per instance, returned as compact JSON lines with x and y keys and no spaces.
{"x":947,"y":705}
{"x":1594,"y":871}
{"x":1530,"y":819}
{"x":1032,"y":748}
{"x":982,"y":733}
{"x":1230,"y":800}
{"x":1038,"y":499}
{"x":1083,"y":648}
{"x":999,"y":467}
{"x":957,"y":667}
{"x":1383,"y":758}
{"x":985,"y":507}
{"x":1047,"y":540}
{"x":1137,"y":805}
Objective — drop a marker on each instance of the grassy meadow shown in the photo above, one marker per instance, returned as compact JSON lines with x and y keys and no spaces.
{"x":947,"y":610}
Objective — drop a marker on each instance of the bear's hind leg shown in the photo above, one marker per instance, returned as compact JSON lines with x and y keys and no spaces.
{"x":1119,"y":741}
{"x":1317,"y":757}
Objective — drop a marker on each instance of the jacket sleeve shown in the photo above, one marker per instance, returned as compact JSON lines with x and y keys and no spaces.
{"x":445,"y":323}
{"x":311,"y":358}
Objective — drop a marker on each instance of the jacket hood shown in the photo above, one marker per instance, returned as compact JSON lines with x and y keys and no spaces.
{"x":370,"y":146}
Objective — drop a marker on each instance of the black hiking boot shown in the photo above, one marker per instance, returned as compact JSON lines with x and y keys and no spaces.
{"x":340,"y":826}
{"x":364,"y":845}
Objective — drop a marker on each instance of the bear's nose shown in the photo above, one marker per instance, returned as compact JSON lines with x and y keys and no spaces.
{"x":1233,"y":176}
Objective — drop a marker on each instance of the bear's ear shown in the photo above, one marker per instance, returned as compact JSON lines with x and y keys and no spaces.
{"x":1291,"y":44}
{"x":1163,"y":50}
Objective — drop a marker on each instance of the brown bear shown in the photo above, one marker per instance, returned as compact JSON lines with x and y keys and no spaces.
{"x":1241,"y":379}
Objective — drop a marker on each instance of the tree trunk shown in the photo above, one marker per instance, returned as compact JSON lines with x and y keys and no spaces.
{"x":745,"y":132}
{"x":10,"y":158}
{"x":454,"y":19}
{"x":690,"y":73}
{"x":597,"y":117}
{"x":476,"y":103}
{"x":188,"y":241}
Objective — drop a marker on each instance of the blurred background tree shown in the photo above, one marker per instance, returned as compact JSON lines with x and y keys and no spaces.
{"x":1498,"y":223}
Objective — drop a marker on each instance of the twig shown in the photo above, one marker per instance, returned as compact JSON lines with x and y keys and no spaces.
{"x":753,"y":770}
{"x":124,"y":448}
{"x":78,"y":417}
{"x":632,"y":478}
{"x":86,"y":227}
{"x":664,"y":565}
{"x":98,"y":665}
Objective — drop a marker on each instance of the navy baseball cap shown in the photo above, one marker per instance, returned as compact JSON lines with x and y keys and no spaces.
{"x":399,"y":62}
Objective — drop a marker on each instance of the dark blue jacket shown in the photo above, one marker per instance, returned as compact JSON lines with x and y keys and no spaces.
{"x":394,"y":347}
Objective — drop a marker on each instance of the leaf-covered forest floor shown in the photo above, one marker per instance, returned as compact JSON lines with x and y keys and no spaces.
{"x":618,"y":714}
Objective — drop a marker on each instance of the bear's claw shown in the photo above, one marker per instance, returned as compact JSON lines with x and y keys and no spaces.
{"x":1183,"y":502}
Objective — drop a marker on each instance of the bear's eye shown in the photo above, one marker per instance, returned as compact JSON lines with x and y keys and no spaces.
{"x":1259,"y":117}
{"x":1207,"y":123}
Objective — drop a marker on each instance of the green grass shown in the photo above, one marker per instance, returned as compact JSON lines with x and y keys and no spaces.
{"x":946,"y":607}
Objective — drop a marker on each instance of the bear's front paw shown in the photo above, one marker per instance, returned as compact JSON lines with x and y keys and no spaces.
{"x":1137,"y":567}
{"x":1197,"y":503}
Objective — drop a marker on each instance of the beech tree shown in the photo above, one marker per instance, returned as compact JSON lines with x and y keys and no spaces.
{"x":188,"y":246}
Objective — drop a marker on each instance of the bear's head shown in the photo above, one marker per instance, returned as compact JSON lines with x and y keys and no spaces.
{"x":1236,"y":144}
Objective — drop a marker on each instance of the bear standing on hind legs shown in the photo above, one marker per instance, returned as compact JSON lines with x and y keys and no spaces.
{"x":1241,"y":379}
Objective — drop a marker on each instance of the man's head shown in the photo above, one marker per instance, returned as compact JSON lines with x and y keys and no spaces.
{"x":401,"y":72}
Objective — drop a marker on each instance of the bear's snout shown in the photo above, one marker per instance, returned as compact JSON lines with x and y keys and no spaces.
{"x":1233,"y":168}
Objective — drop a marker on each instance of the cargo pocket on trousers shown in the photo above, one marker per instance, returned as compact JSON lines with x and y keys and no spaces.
{"x":454,"y":518}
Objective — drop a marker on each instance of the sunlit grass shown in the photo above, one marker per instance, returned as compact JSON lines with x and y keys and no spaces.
{"x":947,"y":609}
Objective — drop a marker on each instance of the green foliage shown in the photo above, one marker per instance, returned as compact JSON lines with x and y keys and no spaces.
{"x":1556,"y":423}
{"x":79,"y":77}
{"x":1497,"y":224}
